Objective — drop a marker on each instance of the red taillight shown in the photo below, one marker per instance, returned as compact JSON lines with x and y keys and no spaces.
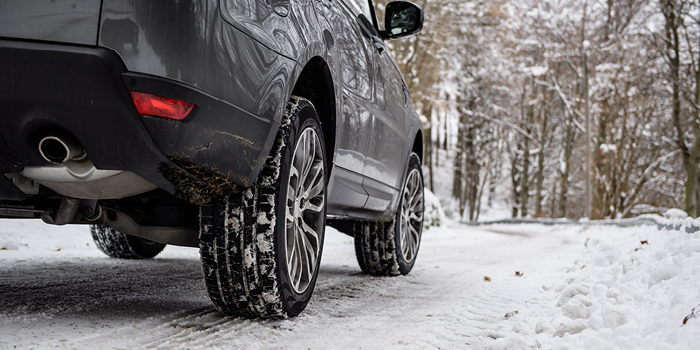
{"x":159,"y":106}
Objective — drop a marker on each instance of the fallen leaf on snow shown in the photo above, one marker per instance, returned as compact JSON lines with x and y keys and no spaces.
{"x":511,"y":314}
{"x":693,"y":314}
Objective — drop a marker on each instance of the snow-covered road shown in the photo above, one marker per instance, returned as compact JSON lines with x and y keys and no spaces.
{"x":77,"y":298}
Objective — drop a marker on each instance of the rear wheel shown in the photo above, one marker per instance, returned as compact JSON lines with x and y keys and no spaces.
{"x":390,"y":248}
{"x":261,"y":249}
{"x":118,"y":245}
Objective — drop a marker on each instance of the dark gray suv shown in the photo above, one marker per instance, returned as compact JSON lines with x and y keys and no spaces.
{"x":241,"y":127}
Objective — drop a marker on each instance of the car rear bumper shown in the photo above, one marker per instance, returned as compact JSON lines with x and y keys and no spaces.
{"x":84,"y":91}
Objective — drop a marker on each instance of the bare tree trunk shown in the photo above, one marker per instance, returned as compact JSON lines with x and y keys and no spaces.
{"x":524,"y":179}
{"x":457,"y":180}
{"x":437,"y":142}
{"x":428,"y":142}
{"x":480,"y":195}
{"x":495,"y":172}
{"x":670,"y":9}
{"x":553,"y":203}
{"x":539,"y":175}
{"x":694,"y":156}
{"x":525,"y":173}
{"x":457,"y":184}
{"x":471,"y":187}
{"x":445,"y":145}
{"x":569,"y":138}
{"x":539,"y":178}
{"x":515,"y":180}
{"x":600,"y":207}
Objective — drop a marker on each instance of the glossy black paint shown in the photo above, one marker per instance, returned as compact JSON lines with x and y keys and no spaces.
{"x":239,"y":61}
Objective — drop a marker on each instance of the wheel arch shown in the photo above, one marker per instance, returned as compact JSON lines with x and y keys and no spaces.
{"x":315,"y":83}
{"x":418,"y":145}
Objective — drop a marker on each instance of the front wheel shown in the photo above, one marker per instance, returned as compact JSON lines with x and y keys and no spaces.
{"x":261,"y":249}
{"x":390,"y":248}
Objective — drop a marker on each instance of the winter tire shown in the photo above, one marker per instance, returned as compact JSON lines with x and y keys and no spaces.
{"x":118,"y":245}
{"x":261,"y":249}
{"x":390,"y":248}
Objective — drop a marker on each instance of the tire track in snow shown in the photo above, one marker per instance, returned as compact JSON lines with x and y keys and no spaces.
{"x":200,"y":332}
{"x":193,"y":329}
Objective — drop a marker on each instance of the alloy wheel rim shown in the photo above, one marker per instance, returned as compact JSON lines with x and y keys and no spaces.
{"x":306,"y":196}
{"x":411,"y":216}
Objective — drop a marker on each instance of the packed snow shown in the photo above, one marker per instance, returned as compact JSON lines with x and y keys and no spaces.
{"x":505,"y":286}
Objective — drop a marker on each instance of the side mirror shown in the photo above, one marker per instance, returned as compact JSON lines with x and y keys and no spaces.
{"x":402,"y":18}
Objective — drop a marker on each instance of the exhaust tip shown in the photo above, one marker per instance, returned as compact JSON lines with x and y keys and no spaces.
{"x":57,"y":150}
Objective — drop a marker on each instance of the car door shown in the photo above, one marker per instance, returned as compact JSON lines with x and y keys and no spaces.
{"x":385,"y":153}
{"x":354,"y":49}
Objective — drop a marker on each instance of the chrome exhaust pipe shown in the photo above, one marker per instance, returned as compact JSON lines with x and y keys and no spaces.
{"x":56,"y":149}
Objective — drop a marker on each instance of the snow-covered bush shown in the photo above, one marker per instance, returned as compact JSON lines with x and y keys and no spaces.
{"x":433,"y":215}
{"x":675,"y":214}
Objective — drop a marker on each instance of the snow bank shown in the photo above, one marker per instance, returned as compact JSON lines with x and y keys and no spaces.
{"x":634,"y":288}
{"x":676,"y":219}
{"x":35,"y":235}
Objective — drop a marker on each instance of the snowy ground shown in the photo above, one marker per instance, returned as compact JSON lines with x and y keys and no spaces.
{"x":550,"y":287}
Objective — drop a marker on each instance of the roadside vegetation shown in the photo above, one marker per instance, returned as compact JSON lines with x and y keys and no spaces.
{"x":504,"y":88}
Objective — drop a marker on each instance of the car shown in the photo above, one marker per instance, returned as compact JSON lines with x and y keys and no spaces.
{"x":241,"y":127}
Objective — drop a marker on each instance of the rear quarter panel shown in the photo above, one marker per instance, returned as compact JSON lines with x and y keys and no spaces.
{"x":190,"y":41}
{"x":73,"y":21}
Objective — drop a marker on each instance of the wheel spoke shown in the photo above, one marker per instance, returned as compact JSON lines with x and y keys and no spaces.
{"x":417,"y":203}
{"x":308,"y":234}
{"x":309,"y":250}
{"x":314,"y":187}
{"x":294,"y":255}
{"x":312,"y":207}
{"x":413,"y":234}
{"x":316,"y":190}
{"x":414,"y":217}
{"x":307,"y":157}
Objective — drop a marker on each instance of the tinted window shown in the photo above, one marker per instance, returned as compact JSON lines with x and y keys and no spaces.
{"x":354,"y":57}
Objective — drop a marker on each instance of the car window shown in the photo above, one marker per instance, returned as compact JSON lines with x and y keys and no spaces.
{"x":355,"y":61}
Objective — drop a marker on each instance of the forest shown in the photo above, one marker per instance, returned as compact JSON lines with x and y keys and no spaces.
{"x":558,"y":108}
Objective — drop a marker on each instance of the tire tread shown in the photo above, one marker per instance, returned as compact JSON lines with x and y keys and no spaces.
{"x":240,"y":230}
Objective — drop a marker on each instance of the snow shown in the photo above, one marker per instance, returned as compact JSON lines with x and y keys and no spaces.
{"x":537,"y":71}
{"x":675,"y":214}
{"x":550,"y":287}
